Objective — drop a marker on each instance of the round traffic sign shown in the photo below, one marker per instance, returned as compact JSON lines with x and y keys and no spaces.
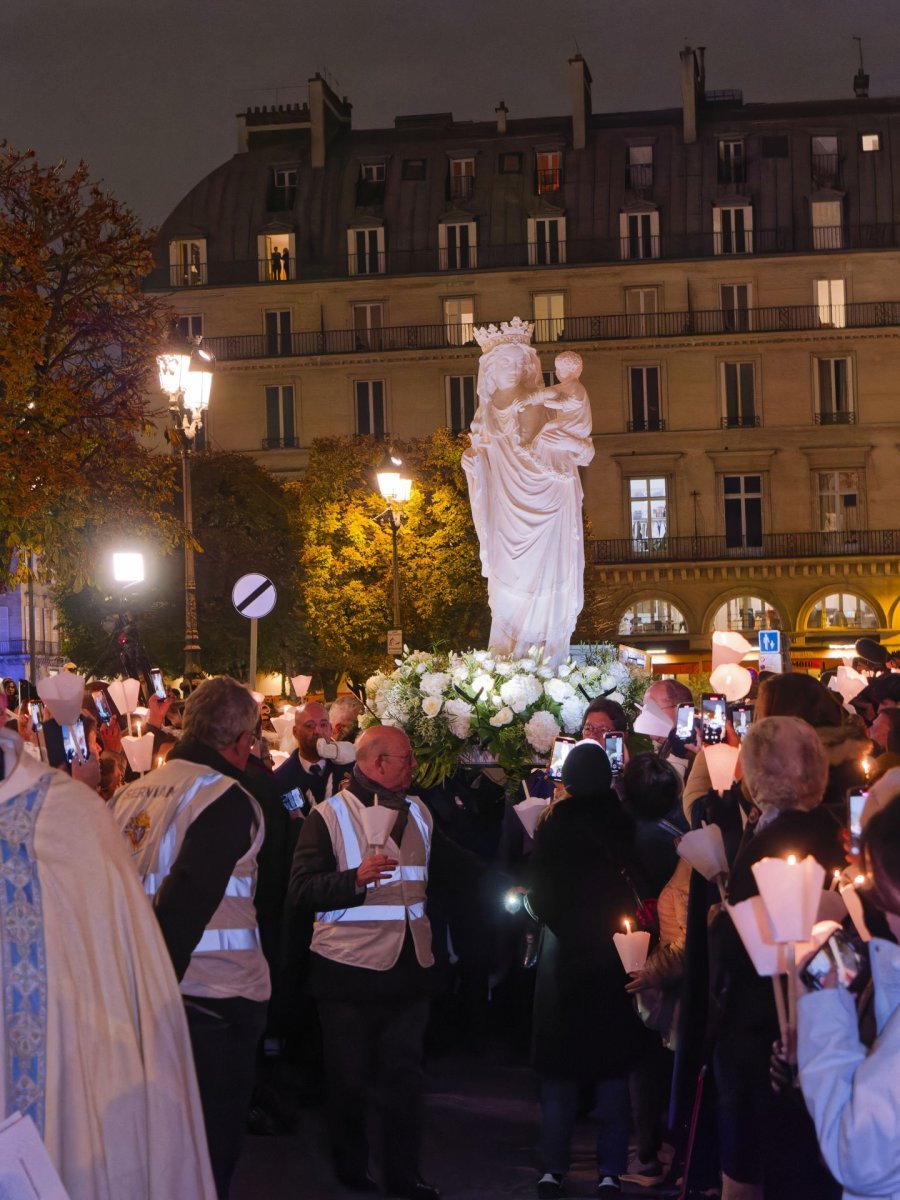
{"x":254,"y":595}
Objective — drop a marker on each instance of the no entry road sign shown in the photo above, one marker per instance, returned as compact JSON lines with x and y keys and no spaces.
{"x":254,"y":595}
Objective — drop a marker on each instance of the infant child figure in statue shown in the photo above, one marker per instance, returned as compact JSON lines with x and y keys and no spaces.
{"x":566,"y":438}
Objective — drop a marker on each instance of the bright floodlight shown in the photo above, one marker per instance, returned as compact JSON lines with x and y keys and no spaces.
{"x":394,"y":485}
{"x":128,"y":567}
{"x":173,"y":372}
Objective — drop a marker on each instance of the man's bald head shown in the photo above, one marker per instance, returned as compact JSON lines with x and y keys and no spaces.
{"x":384,"y":755}
{"x":310,"y":723}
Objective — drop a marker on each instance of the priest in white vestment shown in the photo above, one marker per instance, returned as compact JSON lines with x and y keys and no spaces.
{"x":93,"y":1039}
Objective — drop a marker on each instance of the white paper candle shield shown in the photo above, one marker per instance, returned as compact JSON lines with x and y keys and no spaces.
{"x":125,"y":694}
{"x":65,"y":695}
{"x":258,"y":697}
{"x":301,"y":684}
{"x":632,"y":948}
{"x":378,"y":821}
{"x":728,"y":647}
{"x":769,"y":957}
{"x":653,"y":722}
{"x":284,"y":726}
{"x":705,"y":851}
{"x":791,"y":892}
{"x":721,"y":762}
{"x":139,"y":752}
{"x":528,"y":811}
{"x":732,"y":680}
{"x":848,"y":683}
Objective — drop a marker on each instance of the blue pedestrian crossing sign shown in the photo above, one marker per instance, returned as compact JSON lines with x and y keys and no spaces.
{"x":770,"y":641}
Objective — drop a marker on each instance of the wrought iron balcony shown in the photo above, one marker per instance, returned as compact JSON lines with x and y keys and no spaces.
{"x":280,"y":443}
{"x":639,"y":177}
{"x":461,"y":187}
{"x":835,"y":418}
{"x":647,"y":425}
{"x":741,"y":421}
{"x":708,"y":548}
{"x":600,"y":328}
{"x":549,"y":180}
{"x":826,"y":170}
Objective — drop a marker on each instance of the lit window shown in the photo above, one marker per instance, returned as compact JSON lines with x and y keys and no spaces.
{"x":462,"y":178}
{"x":461,"y":401}
{"x":372,"y":172}
{"x":641,"y":307}
{"x":842,"y":610}
{"x":369,"y":396}
{"x":187,"y":262}
{"x":549,"y":316}
{"x":639,"y":235}
{"x":549,"y":171}
{"x":459,"y":320}
{"x":651,"y":616}
{"x":546,"y":241}
{"x":827,"y":224}
{"x":275,"y":252}
{"x":733,"y":229}
{"x":280,"y":428}
{"x":839,"y":501}
{"x":648,"y":508}
{"x":639,"y":173}
{"x":457,"y":247}
{"x":870,"y":142}
{"x":746,"y":613}
{"x":830,"y":300}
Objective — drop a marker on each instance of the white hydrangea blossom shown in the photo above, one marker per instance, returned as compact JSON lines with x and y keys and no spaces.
{"x":434,"y":683}
{"x":617,"y":696}
{"x":459,"y":718}
{"x":502,"y":717}
{"x":520,"y":691}
{"x":572,"y":713}
{"x":483,"y":683}
{"x":545,"y":672}
{"x":505,"y":669}
{"x":558,"y":690}
{"x":541,"y":731}
{"x":431,"y":706}
{"x":619,"y":672}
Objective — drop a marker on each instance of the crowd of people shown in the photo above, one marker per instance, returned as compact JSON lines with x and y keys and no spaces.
{"x":250,"y":893}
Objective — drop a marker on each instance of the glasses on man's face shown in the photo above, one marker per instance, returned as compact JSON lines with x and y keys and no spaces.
{"x":406,"y":757}
{"x":597,"y":730}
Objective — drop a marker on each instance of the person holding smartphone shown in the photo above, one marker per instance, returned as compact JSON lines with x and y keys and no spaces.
{"x":851,"y":1091}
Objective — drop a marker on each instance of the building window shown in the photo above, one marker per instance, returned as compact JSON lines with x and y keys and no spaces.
{"x":830,"y":303}
{"x":641,"y":308}
{"x":414,"y":168}
{"x":462,"y":178}
{"x":369,"y":395}
{"x":825,"y":161}
{"x":639,"y":235}
{"x":644,"y":396}
{"x":187,"y":263}
{"x":278,"y":331}
{"x":275,"y":252}
{"x":733,"y":229}
{"x":459,"y":320}
{"x":282,"y":190}
{"x":457,"y":250}
{"x":738,"y":394}
{"x":510,"y":164}
{"x":743,"y":511}
{"x":731,"y":161}
{"x":546,"y":241}
{"x":744,"y":614}
{"x":372,"y":172}
{"x":639,"y":169}
{"x":365,"y":251}
{"x":870,"y":142}
{"x":834,"y":393}
{"x":839,"y":509}
{"x":549,"y":316}
{"x":842,"y":610}
{"x":648,"y":508}
{"x":736,"y":302}
{"x":549,"y":171}
{"x":370,"y":185}
{"x":827,"y":227}
{"x":461,"y":401}
{"x":651,"y":616}
{"x":191,"y":326}
{"x":368,"y":323}
{"x":280,"y":428}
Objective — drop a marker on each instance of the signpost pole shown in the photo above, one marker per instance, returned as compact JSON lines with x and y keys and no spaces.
{"x":252,"y":673}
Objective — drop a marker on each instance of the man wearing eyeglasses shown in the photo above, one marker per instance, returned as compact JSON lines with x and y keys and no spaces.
{"x":316,"y":777}
{"x":365,"y":863}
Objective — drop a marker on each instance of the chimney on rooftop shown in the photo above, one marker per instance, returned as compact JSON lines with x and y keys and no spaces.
{"x":502,"y":112}
{"x":580,"y":92}
{"x":860,"y":79}
{"x":690,"y":93}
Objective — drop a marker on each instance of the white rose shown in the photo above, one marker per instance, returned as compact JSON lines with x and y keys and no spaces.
{"x":541,"y":732}
{"x":431,"y":706}
{"x":480,"y":656}
{"x":459,"y":718}
{"x":529,"y":665}
{"x":545,"y":672}
{"x":460,"y":674}
{"x":374,"y":682}
{"x":434,"y":683}
{"x":558,"y":690}
{"x":503,"y":717}
{"x":483,"y":683}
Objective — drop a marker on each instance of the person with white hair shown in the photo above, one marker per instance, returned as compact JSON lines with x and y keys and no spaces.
{"x":344,"y":716}
{"x":767,"y":1141}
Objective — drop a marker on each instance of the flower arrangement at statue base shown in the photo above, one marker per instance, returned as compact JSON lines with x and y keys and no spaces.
{"x":479,"y":707}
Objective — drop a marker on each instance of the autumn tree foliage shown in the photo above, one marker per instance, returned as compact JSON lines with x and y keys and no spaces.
{"x":77,"y":338}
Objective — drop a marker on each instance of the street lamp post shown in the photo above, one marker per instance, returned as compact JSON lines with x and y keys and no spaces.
{"x":395,"y":487}
{"x":185,"y":375}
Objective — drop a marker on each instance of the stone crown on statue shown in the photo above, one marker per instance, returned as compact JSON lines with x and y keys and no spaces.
{"x":515,"y":332}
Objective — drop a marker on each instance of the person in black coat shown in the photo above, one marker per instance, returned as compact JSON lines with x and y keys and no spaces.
{"x":585,"y":1029}
{"x":767,"y":1141}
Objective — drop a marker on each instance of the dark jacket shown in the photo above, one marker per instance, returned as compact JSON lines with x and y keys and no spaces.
{"x":585,"y":1025}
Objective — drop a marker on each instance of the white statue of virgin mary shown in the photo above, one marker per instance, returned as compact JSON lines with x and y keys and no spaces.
{"x":526,"y":444}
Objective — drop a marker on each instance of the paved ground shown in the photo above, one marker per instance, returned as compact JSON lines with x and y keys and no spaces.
{"x":481,"y":1129}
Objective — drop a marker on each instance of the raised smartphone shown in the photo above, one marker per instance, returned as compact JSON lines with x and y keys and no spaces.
{"x":712,"y":717}
{"x":561,"y":748}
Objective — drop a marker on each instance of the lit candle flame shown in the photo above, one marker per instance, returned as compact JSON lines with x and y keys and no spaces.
{"x":627,"y":926}
{"x":792,"y":860}
{"x":867,"y":767}
{"x":137,"y":726}
{"x":859,"y":880}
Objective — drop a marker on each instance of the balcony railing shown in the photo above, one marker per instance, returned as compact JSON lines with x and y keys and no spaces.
{"x":876,"y":542}
{"x":639,"y":177}
{"x":647,"y":425}
{"x":607,"y":327}
{"x":549,"y":179}
{"x":741,"y":421}
{"x":579,"y":252}
{"x":826,"y":170}
{"x":835,"y":418}
{"x":461,"y":187}
{"x":280,"y":443}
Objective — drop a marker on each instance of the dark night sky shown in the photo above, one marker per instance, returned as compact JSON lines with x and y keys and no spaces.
{"x":146,"y":92}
